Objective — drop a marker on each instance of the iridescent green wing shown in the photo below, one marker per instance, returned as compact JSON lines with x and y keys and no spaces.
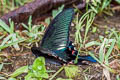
{"x":57,"y":35}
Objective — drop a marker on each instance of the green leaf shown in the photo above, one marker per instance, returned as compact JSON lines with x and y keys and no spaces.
{"x":92,"y":43}
{"x":25,"y":26}
{"x":29,"y":76}
{"x":94,"y":2}
{"x":92,"y":54}
{"x":30,"y":23}
{"x":94,"y":29}
{"x":94,"y":9}
{"x":4,"y":26}
{"x":55,"y":12}
{"x":6,"y":40}
{"x":109,"y":51}
{"x":19,"y":71}
{"x":39,"y":64}
{"x":38,"y":68}
{"x":14,"y":38}
{"x":1,"y":37}
{"x":101,"y":51}
{"x":10,"y":44}
{"x":1,"y":66}
{"x":71,"y":71}
{"x":47,"y":20}
{"x":11,"y":26}
{"x":118,"y":1}
{"x":11,"y":78}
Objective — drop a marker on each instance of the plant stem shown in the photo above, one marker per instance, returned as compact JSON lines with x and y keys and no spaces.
{"x":57,"y":72}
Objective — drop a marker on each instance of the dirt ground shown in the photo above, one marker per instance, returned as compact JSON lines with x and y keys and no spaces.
{"x":94,"y":72}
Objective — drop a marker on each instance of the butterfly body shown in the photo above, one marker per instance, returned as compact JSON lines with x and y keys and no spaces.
{"x":55,"y":44}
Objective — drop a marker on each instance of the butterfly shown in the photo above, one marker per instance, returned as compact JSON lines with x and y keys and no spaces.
{"x":55,"y":45}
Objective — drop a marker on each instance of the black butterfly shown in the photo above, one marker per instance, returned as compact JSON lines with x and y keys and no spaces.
{"x":55,"y":44}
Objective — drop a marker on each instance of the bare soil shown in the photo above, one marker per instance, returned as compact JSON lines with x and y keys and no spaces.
{"x":94,"y":72}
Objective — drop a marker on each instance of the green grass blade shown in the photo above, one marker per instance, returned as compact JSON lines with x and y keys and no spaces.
{"x":23,"y":69}
{"x":1,"y":66}
{"x":5,"y":40}
{"x":4,"y":26}
{"x":25,"y":26}
{"x":14,"y":38}
{"x":1,"y":37}
{"x":89,"y":44}
{"x":11,"y":26}
{"x":90,"y":20}
{"x":30,"y":23}
{"x":109,"y":51}
{"x":55,"y":12}
{"x":101,"y":51}
{"x":10,"y":44}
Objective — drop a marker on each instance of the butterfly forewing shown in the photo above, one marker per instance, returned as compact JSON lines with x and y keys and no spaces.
{"x":57,"y":35}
